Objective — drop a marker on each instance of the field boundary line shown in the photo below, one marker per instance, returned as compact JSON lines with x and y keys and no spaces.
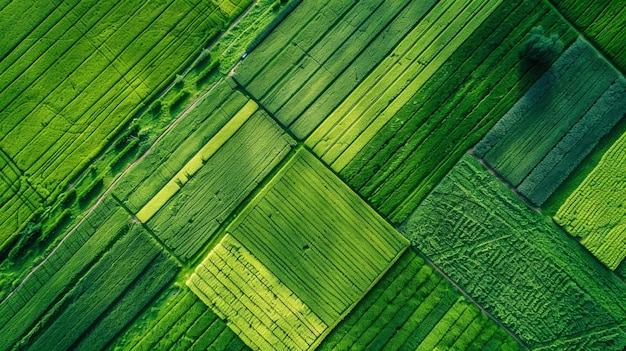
{"x":148,"y":230}
{"x":471,"y":299}
{"x":584,"y":38}
{"x":110,"y":188}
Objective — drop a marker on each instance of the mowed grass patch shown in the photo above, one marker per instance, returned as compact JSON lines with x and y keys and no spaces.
{"x":414,"y":308}
{"x":517,"y":264}
{"x":317,"y":237}
{"x":557,"y":122}
{"x":595,"y":211}
{"x":264,"y":312}
{"x":392,"y":140}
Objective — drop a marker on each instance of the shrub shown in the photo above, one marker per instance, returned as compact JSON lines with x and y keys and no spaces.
{"x":542,"y":49}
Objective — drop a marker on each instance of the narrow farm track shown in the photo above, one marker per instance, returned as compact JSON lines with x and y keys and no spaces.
{"x":110,"y":187}
{"x":432,"y":264}
{"x":211,"y":45}
{"x":132,"y":165}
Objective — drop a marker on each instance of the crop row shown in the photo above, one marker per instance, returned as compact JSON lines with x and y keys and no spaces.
{"x":594,"y":211}
{"x":413,"y":307}
{"x":368,"y":107}
{"x":602,"y":21}
{"x":89,"y":288}
{"x":98,"y":86}
{"x":406,"y":156}
{"x":196,"y":211}
{"x":179,"y":145}
{"x":521,"y":267}
{"x":295,"y":225}
{"x":258,"y":306}
{"x":181,"y":322}
{"x":323,"y":69}
{"x":197,"y":161}
{"x":18,"y":201}
{"x":556,"y":123}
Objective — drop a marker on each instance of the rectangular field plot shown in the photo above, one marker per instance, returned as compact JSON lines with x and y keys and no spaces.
{"x":320,"y":52}
{"x":517,"y":264}
{"x":183,"y":322}
{"x":193,"y":204}
{"x":557,"y":122}
{"x":414,"y":308}
{"x":603,"y":21}
{"x":453,"y":75}
{"x":179,"y":145}
{"x":265,"y":313}
{"x":319,"y":239}
{"x":80,"y":72}
{"x":596,"y":210}
{"x":90,"y":287}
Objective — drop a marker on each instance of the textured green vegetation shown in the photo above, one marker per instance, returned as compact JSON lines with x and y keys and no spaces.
{"x":189,"y":218}
{"x":604,"y":21}
{"x":318,"y":237}
{"x":414,"y":308}
{"x":204,"y":168}
{"x":517,"y":264}
{"x":265,"y":313}
{"x":19,"y":201}
{"x":89,"y":288}
{"x":170,"y":154}
{"x":74,"y":73}
{"x":559,"y":120}
{"x":319,"y":53}
{"x":595,"y":210}
{"x":179,"y":321}
{"x":394,"y":143}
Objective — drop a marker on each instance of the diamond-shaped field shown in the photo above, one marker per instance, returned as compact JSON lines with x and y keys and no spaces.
{"x":305,"y":234}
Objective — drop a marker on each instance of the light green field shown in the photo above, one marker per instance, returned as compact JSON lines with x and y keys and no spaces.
{"x":595,"y":210}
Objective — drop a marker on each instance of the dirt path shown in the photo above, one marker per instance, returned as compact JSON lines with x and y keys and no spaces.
{"x":132,"y":165}
{"x":110,"y":187}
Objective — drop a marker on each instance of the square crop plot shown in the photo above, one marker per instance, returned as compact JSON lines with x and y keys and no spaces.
{"x":313,"y":235}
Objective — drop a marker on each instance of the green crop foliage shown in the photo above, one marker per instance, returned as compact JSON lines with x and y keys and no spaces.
{"x":594,"y":211}
{"x":509,"y":257}
{"x":90,"y":288}
{"x":602,"y":22}
{"x":413,"y":307}
{"x":248,"y":150}
{"x":72,"y":75}
{"x":558,"y":121}
{"x":393,"y":139}
{"x":265,"y":312}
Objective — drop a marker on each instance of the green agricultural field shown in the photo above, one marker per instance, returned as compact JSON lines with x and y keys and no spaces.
{"x":517,"y":264}
{"x":74,"y":72}
{"x":91,"y":287}
{"x":602,"y":21}
{"x":414,"y":308}
{"x":179,"y":321}
{"x":289,"y":238}
{"x":559,"y":120}
{"x":312,"y":174}
{"x":595,"y":210}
